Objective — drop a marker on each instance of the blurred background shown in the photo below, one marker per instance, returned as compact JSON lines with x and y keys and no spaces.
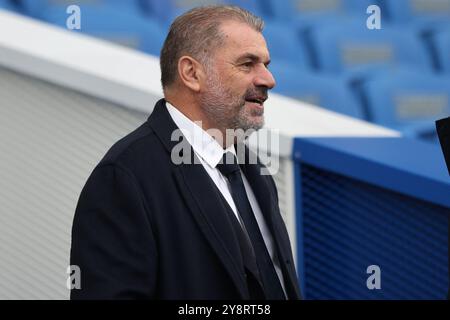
{"x":322,"y":50}
{"x":363,"y":185}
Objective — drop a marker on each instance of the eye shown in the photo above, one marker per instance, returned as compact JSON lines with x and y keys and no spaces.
{"x":248,"y":64}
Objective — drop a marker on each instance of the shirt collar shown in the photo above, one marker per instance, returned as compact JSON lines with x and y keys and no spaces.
{"x":203,"y":144}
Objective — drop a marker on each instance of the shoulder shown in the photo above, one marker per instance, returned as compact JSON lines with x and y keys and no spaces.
{"x":136,"y":147}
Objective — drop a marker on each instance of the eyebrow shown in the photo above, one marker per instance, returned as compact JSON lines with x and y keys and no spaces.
{"x":252,"y":57}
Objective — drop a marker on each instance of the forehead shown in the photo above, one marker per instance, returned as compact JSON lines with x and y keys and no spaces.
{"x":241,"y":38}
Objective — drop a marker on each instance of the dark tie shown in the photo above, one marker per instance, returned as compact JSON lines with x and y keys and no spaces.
{"x":230,"y":169}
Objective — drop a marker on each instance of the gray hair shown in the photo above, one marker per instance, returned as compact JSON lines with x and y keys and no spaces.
{"x":196,"y":33}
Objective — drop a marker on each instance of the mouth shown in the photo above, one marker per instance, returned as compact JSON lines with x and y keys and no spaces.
{"x":256,"y":100}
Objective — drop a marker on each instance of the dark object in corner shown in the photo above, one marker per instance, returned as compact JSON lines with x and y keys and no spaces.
{"x":443,"y":130}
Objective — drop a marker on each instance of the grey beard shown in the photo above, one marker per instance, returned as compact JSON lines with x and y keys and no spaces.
{"x":224,"y":110}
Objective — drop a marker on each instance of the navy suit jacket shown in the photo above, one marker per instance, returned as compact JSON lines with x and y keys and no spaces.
{"x":146,"y":228}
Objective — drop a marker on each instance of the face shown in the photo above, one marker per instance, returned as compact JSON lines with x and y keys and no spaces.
{"x":237,"y":84}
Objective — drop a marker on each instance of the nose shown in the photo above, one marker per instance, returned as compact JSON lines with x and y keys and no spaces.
{"x":264,"y":78}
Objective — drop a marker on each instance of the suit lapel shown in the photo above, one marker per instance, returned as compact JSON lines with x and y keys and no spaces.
{"x":207,"y":209}
{"x":267,"y":202}
{"x":198,"y":191}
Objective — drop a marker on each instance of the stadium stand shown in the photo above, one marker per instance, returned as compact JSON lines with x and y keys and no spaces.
{"x":402,"y":11}
{"x":111,"y":23}
{"x":36,"y":8}
{"x":408,"y":101}
{"x":167,"y":10}
{"x":341,"y":47}
{"x":441,"y":48}
{"x":313,"y":43}
{"x":301,"y":9}
{"x":323,"y":90}
{"x":285,"y":45}
{"x":6,"y":5}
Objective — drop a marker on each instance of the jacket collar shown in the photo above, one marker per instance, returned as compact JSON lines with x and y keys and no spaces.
{"x":204,"y":145}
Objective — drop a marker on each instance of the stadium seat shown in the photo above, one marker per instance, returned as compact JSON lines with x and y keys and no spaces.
{"x":37,"y":8}
{"x":285,"y":45}
{"x":408,"y":101}
{"x":6,"y":5}
{"x":350,"y":45}
{"x":441,"y":46}
{"x":112,"y":24}
{"x":326,"y":91}
{"x":425,"y":16}
{"x":408,"y":10}
{"x":168,"y":10}
{"x":292,"y":9}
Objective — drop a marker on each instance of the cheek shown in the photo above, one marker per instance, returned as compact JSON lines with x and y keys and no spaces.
{"x":235,"y":91}
{"x":239,"y":82}
{"x":240,"y":88}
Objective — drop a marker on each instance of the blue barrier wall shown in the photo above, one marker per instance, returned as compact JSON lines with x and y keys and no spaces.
{"x":371,"y":201}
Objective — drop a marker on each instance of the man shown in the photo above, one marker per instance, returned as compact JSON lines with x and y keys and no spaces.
{"x":148,"y":226}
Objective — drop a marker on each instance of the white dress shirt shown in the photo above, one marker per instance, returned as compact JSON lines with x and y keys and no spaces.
{"x":210,"y":152}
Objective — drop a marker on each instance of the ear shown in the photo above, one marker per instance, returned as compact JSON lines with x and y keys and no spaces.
{"x":190,"y":72}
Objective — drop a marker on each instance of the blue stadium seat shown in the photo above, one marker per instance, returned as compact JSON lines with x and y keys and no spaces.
{"x":408,"y":101}
{"x":292,"y":9}
{"x":285,"y":45}
{"x":112,"y":24}
{"x":346,"y":46}
{"x":441,"y":45}
{"x":168,"y":10}
{"x":6,"y":5}
{"x":330,"y":92}
{"x":423,"y":10}
{"x":37,"y":8}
